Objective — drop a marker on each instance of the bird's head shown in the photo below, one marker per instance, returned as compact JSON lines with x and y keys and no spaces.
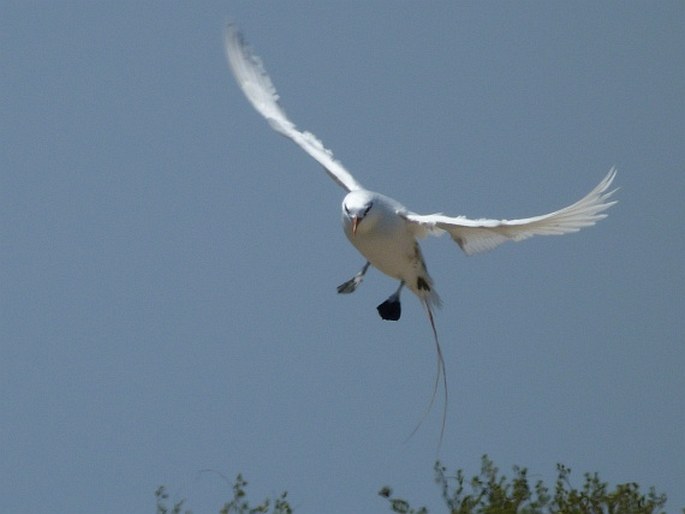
{"x":355,"y":208}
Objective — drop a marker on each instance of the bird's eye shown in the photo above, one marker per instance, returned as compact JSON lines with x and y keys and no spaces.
{"x":347,"y":211}
{"x":368,"y":209}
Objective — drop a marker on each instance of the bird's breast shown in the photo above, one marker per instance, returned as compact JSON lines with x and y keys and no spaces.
{"x":388,"y":247}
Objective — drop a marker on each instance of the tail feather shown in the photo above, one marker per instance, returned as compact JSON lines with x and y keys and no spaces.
{"x":440,"y":373}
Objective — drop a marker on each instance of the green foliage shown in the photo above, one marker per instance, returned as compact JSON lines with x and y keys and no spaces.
{"x":492,"y":493}
{"x":162,"y":498}
{"x":489,"y":492}
{"x":238,"y":505}
{"x":399,"y":505}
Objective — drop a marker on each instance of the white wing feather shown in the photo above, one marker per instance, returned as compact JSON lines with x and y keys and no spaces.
{"x":481,"y":235}
{"x":260,"y":91}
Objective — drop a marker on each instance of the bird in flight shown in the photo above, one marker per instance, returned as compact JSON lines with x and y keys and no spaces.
{"x":384,"y":231}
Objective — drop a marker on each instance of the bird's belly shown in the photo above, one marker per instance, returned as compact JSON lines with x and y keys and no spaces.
{"x":392,"y":256}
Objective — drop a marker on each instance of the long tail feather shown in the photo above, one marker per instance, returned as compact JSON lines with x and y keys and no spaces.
{"x":440,"y":372}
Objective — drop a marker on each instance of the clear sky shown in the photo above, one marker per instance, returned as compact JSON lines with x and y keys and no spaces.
{"x":169,"y":263}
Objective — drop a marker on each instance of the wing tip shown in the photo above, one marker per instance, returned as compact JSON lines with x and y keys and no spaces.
{"x":255,"y":83}
{"x":606,"y":182}
{"x":233,"y":35}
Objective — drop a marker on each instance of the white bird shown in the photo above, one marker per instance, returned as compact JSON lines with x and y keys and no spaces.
{"x":382,"y":229}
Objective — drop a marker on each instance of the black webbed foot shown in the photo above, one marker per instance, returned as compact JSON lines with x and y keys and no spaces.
{"x":390,"y":310}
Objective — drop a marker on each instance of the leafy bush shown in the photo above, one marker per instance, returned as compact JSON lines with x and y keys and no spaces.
{"x":238,"y":505}
{"x":492,"y":493}
{"x":486,"y":493}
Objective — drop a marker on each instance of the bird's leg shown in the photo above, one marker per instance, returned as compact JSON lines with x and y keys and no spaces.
{"x":351,"y":285}
{"x":391,"y":309}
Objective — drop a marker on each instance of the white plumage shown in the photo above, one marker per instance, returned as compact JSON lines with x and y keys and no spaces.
{"x":382,"y":229}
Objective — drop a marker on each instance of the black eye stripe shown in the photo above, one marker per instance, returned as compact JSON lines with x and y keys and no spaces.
{"x":368,"y":208}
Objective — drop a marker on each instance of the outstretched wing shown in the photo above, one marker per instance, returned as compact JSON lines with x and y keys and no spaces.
{"x":481,"y":235}
{"x":260,"y":91}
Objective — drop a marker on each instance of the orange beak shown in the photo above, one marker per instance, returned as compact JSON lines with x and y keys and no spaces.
{"x":355,"y":223}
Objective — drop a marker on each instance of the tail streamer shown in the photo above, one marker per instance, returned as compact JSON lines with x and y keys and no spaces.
{"x":440,"y":372}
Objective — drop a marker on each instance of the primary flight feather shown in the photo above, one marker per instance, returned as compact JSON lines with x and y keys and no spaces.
{"x":382,"y":229}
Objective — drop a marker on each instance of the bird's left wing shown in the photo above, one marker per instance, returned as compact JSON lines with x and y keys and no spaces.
{"x":481,"y":235}
{"x":260,"y":91}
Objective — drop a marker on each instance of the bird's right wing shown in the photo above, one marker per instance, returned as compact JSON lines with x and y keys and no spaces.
{"x":255,"y":82}
{"x":480,"y":235}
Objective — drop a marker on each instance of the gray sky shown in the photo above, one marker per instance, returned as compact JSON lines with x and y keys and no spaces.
{"x":169,"y":263}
